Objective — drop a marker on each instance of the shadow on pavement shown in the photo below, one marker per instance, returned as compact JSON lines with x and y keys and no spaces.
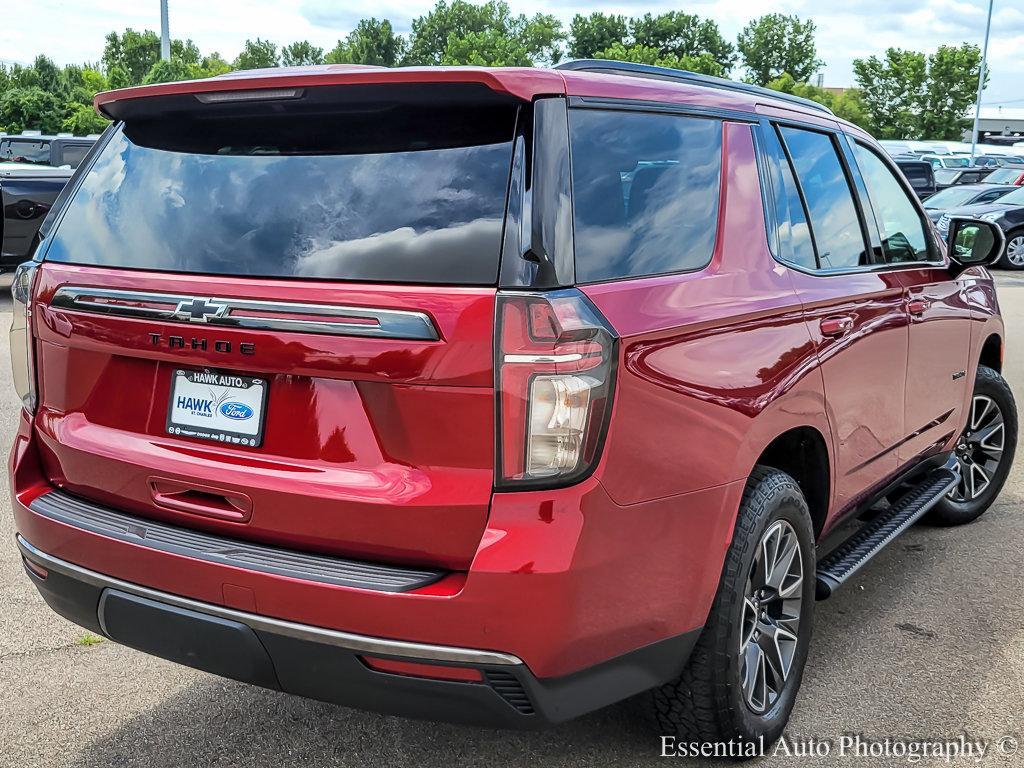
{"x":221,"y":723}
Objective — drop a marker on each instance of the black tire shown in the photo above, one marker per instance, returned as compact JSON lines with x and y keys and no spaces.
{"x":706,"y":703}
{"x":991,"y":384}
{"x":1004,"y":260}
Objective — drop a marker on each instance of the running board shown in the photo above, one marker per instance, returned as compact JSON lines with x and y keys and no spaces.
{"x":850,"y":556}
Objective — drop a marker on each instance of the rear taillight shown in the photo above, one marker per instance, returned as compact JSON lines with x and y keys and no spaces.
{"x":554,"y":371}
{"x":22,"y":348}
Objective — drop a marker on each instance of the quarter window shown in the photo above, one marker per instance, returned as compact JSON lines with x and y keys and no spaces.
{"x":645,"y":192}
{"x":835,"y":224}
{"x":791,"y":230}
{"x":903,"y":236}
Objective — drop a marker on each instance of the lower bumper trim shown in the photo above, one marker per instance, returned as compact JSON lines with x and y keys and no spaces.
{"x":326,"y":664}
{"x":337,"y":638}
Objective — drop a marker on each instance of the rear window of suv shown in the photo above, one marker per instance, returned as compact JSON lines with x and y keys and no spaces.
{"x":408,"y":195}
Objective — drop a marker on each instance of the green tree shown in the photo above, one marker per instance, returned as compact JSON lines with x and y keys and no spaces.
{"x":704,"y":63}
{"x":257,"y":54}
{"x":30,"y":108}
{"x":82,"y":120}
{"x":169,"y":72}
{"x":846,"y":105}
{"x":950,"y":91}
{"x":893,"y":90}
{"x":301,"y":53}
{"x":213,"y":64}
{"x":683,"y":35}
{"x":775,"y":44}
{"x":51,"y":78}
{"x":371,"y":42}
{"x":134,"y":54}
{"x":596,"y":32}
{"x":437,"y":36}
{"x":489,"y":48}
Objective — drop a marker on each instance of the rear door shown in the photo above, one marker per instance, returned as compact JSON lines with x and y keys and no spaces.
{"x":855,"y":311}
{"x":280,"y":327}
{"x":937,"y":304}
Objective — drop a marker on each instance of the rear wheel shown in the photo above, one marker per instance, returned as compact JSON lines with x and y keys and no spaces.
{"x":984,"y":451}
{"x":1013,"y":254}
{"x":743,"y":676}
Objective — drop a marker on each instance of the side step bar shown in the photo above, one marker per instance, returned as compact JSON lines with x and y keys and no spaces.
{"x":850,"y":556}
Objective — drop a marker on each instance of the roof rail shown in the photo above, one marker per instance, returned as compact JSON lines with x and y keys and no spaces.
{"x":630,"y":69}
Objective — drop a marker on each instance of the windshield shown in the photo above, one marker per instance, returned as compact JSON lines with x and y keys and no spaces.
{"x":1003,"y":176}
{"x":419,"y":197}
{"x":1013,"y":198}
{"x":955,"y":162}
{"x":948,"y":198}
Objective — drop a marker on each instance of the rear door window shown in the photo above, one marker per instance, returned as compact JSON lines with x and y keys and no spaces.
{"x":417,"y":196}
{"x":645,"y":192}
{"x":835,"y":223}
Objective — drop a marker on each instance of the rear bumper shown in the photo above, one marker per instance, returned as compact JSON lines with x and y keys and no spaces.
{"x":328,"y":665}
{"x":583,"y":594}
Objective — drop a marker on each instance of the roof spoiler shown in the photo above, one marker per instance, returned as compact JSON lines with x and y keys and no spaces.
{"x":517,"y":83}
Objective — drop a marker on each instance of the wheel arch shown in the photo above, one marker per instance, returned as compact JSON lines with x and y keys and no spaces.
{"x":991,"y":355}
{"x":802,"y":453}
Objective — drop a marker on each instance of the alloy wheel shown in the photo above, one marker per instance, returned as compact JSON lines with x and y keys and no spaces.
{"x":979,"y":451}
{"x":771,"y":616}
{"x":1015,"y":251}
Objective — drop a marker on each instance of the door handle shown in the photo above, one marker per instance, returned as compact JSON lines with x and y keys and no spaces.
{"x":836,"y":326}
{"x":917,"y":307}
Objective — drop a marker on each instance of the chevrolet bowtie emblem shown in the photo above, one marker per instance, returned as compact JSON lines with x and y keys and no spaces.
{"x":199,"y":310}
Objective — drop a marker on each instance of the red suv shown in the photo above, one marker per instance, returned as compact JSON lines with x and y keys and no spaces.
{"x":493,"y":395}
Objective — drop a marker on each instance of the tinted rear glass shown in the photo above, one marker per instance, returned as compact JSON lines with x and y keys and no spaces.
{"x":22,"y":151}
{"x":645,"y":192}
{"x":411,"y":195}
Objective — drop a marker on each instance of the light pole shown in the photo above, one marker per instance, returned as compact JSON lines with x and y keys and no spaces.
{"x":981,"y":84}
{"x":165,"y":34}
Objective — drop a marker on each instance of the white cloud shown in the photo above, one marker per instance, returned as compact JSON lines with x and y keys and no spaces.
{"x":73,"y":32}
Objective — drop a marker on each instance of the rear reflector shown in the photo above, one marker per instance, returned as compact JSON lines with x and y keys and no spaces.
{"x":36,"y":570}
{"x":416,"y":669}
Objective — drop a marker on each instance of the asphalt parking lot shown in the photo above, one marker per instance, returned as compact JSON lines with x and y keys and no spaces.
{"x":927,"y":642}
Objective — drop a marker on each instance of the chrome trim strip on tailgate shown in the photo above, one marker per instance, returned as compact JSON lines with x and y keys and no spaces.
{"x":229,"y":313}
{"x":346,"y":640}
{"x":104,"y":521}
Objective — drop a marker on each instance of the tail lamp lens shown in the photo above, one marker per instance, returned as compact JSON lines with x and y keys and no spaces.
{"x":22,"y":348}
{"x":554,"y":369}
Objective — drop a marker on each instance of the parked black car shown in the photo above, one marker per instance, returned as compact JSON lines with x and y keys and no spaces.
{"x":919,"y":173}
{"x":52,"y":151}
{"x":951,"y":177}
{"x":1007,"y":213}
{"x":964,"y":194}
{"x":26,"y":196}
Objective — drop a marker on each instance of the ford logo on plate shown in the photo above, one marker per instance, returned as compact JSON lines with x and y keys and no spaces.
{"x":237,"y":411}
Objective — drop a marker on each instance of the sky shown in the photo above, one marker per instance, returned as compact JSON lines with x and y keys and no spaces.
{"x":72,"y":32}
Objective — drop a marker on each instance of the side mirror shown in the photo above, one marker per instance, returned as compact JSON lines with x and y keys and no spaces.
{"x":972,"y":242}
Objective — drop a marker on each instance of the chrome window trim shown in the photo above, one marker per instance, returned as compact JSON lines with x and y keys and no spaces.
{"x":345,"y":640}
{"x":387,"y":323}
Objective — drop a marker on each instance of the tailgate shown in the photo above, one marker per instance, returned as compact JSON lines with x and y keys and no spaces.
{"x":377,"y":446}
